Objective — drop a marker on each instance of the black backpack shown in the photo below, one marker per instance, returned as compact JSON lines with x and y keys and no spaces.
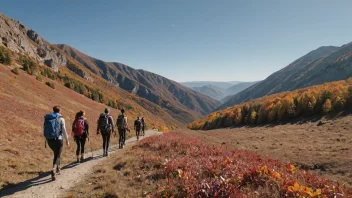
{"x":138,"y":124}
{"x":121,"y":122}
{"x":103,"y":123}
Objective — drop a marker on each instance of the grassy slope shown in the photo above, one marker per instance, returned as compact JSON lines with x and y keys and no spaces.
{"x":24,"y":101}
{"x":322,"y":148}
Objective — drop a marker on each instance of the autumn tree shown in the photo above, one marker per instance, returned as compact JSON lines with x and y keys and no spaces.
{"x":273,"y":115}
{"x":286,"y":108}
{"x":238,"y":116}
{"x":253,"y":117}
{"x":327,"y":106}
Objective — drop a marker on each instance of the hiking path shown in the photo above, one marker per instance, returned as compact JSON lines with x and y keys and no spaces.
{"x":71,"y":174}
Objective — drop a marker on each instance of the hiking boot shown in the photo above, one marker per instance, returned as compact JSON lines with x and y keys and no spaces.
{"x":58,"y":171}
{"x":53,"y":178}
{"x":82,"y":159}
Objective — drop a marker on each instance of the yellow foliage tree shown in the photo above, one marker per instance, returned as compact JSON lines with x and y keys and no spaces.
{"x":327,"y":106}
{"x":238,"y":116}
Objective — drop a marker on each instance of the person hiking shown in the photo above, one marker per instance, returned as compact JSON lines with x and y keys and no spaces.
{"x":105,"y":127}
{"x":137,"y":127}
{"x":54,"y":131}
{"x":122,"y":126}
{"x":143,"y":126}
{"x":80,"y":131}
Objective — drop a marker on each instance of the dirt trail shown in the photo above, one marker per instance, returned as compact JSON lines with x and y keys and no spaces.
{"x":71,"y":174}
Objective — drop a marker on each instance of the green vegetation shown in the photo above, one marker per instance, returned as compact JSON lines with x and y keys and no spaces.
{"x":50,"y":84}
{"x":30,"y":66}
{"x":80,"y":88}
{"x":317,"y":100}
{"x":5,"y":56}
{"x":15,"y":71}
{"x":39,"y":78}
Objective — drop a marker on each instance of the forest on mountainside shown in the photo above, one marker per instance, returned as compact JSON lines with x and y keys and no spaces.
{"x":317,"y":100}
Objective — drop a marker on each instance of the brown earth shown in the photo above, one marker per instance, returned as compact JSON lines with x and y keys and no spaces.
{"x":325,"y":148}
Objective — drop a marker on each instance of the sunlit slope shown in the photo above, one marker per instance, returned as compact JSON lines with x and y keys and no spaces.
{"x":316,"y":100}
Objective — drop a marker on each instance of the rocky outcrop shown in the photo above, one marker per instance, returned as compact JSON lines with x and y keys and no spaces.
{"x":20,"y":39}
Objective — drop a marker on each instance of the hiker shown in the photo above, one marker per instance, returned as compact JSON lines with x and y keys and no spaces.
{"x":143,"y":126}
{"x":137,"y":127}
{"x":80,"y":131}
{"x":105,"y":127}
{"x":54,"y":130}
{"x":122,"y":126}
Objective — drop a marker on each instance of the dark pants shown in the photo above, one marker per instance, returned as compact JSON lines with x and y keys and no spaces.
{"x":56,"y":147}
{"x":122,"y":137}
{"x":143,"y":130}
{"x":138,"y":132}
{"x":80,"y":141}
{"x":106,"y":141}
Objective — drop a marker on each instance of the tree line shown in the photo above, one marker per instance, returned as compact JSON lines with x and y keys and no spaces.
{"x":323,"y":99}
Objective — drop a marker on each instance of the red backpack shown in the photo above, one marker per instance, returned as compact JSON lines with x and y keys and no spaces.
{"x":78,"y":127}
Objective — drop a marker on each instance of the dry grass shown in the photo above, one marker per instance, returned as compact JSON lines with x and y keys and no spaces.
{"x":24,"y":102}
{"x":119,"y":176}
{"x":325,"y":148}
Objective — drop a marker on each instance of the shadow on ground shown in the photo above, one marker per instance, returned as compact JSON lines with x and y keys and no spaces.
{"x":42,"y":178}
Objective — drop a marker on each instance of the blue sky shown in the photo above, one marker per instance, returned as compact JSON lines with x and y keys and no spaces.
{"x":191,"y":40}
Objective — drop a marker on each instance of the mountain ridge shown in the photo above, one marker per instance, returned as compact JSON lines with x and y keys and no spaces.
{"x":151,"y":86}
{"x":23,"y":42}
{"x":324,"y":64}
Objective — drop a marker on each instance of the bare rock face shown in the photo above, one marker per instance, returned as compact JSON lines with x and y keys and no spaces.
{"x":18,"y":38}
{"x":79,"y":72}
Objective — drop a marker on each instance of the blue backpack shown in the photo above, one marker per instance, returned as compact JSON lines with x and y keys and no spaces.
{"x":52,"y":126}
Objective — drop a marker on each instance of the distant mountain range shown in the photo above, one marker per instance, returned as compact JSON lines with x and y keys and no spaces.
{"x":222,"y":85}
{"x":325,"y":64}
{"x":221,"y":93}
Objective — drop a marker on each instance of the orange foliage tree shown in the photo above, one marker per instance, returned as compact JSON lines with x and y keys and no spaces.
{"x":316,"y":100}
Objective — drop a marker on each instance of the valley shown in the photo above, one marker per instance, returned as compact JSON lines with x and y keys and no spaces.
{"x":288,"y":135}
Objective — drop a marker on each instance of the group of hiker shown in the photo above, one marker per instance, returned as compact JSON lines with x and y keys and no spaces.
{"x":55,"y":131}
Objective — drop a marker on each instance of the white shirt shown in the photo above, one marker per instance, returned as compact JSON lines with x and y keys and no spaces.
{"x":63,"y":129}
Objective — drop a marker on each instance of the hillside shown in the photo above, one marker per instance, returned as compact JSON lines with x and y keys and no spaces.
{"x":324,"y":64}
{"x":218,"y":92}
{"x":157,"y":89}
{"x":211,"y":91}
{"x":239,"y":87}
{"x":20,"y":39}
{"x":222,"y":85}
{"x":332,"y":97}
{"x":25,"y":100}
{"x":181,"y":103}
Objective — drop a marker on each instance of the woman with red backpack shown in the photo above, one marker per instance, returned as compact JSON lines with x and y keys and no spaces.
{"x":80,"y":134}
